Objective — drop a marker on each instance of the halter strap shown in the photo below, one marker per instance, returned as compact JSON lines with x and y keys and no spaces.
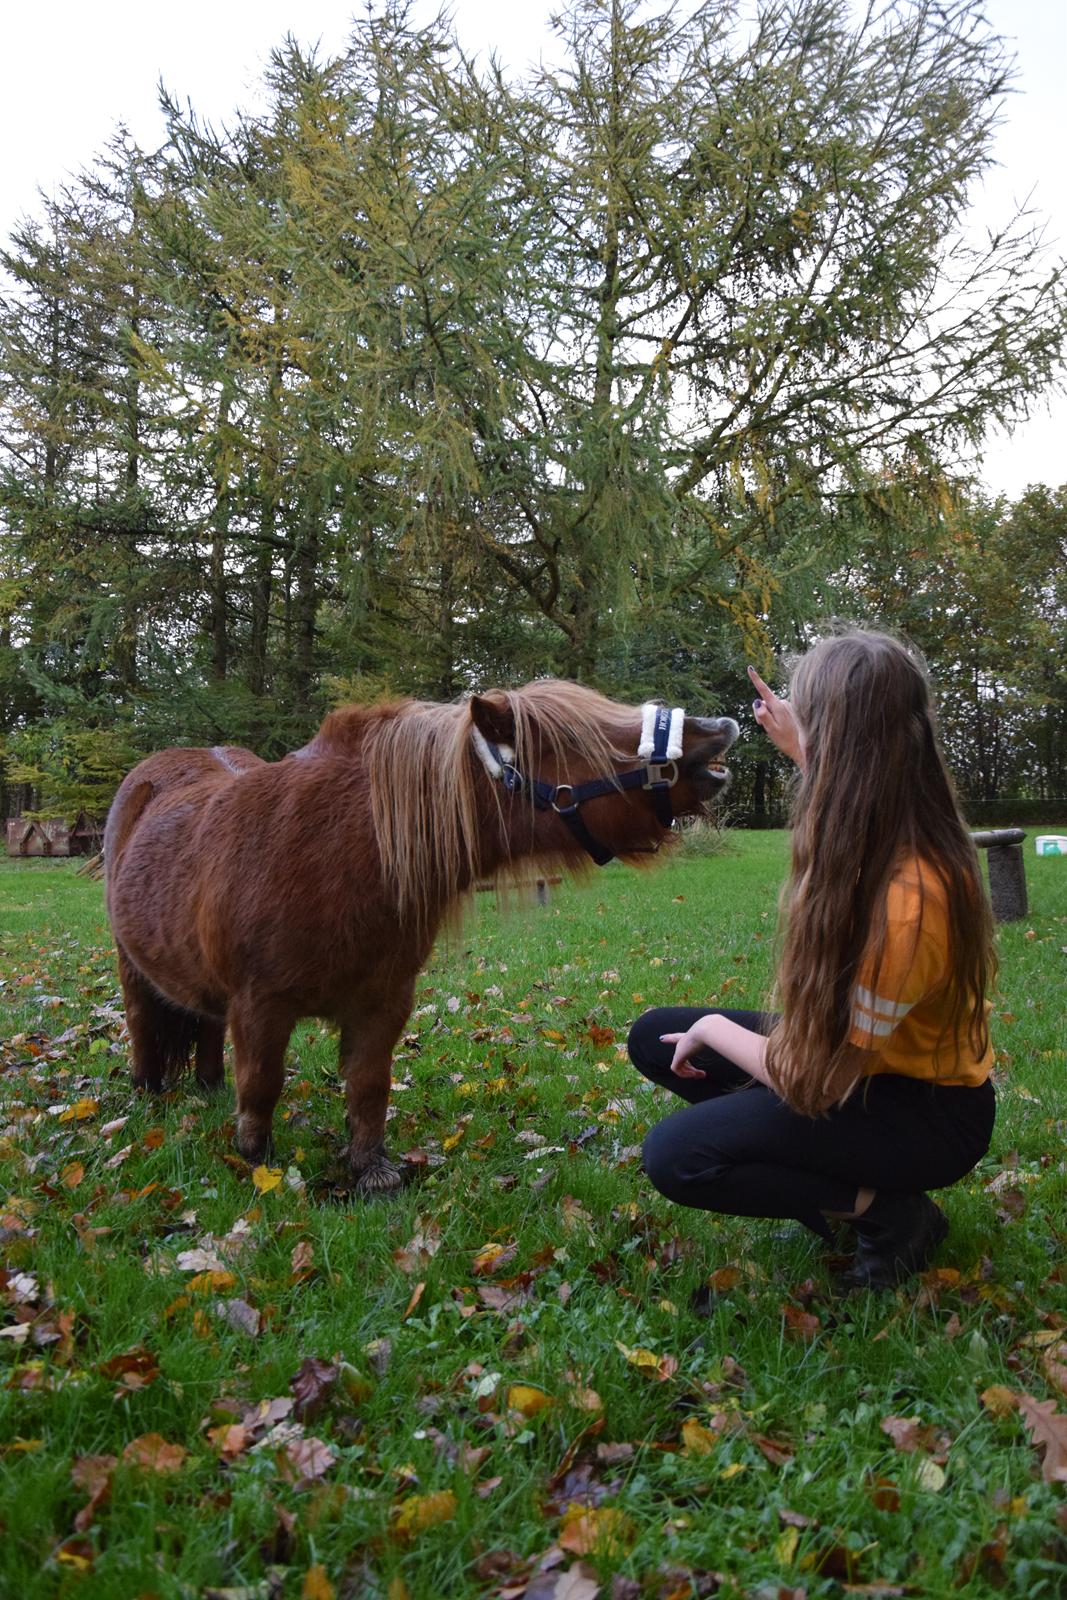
{"x":660,"y":748}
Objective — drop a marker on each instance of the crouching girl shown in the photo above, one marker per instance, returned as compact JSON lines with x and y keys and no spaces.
{"x":873,"y":1084}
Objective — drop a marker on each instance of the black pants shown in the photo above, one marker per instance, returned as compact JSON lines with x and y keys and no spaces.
{"x":737,"y":1148}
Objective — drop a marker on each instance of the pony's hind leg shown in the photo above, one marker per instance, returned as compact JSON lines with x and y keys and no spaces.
{"x":260,"y":1030}
{"x":161,"y":1035}
{"x":367,"y":1064}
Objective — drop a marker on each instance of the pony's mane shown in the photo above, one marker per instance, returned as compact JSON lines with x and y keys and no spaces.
{"x":427,"y":783}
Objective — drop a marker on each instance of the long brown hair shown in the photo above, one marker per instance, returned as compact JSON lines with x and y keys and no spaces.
{"x":874,"y":793}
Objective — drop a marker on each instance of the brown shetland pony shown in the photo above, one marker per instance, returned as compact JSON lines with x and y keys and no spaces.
{"x":245,"y":894}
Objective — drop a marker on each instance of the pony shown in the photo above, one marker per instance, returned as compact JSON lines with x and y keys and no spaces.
{"x":245,"y":894}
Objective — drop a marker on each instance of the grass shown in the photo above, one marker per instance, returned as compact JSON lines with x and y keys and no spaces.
{"x":464,"y":1323}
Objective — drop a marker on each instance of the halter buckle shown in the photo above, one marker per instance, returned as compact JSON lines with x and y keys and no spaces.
{"x":559,"y":790}
{"x":654,"y":778}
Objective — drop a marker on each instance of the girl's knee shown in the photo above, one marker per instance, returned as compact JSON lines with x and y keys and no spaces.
{"x":669,"y":1167}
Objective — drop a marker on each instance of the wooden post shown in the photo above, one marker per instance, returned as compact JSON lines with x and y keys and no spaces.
{"x":1007,"y":871}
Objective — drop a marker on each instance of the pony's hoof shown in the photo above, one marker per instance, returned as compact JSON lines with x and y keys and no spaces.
{"x":253,"y":1145}
{"x":380,"y":1176}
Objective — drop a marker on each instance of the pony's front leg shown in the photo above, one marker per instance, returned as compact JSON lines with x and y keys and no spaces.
{"x":367,"y":1065}
{"x":260,"y":1030}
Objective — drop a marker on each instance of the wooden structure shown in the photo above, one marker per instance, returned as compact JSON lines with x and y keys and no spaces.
{"x":53,"y":836}
{"x":1007,"y":871}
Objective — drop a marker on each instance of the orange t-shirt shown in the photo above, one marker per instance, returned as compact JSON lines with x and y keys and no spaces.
{"x":901,"y":1010}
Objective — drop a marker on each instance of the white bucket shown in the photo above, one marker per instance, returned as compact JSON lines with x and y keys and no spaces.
{"x":1051,"y":844}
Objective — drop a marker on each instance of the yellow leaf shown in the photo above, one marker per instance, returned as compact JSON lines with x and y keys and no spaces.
{"x":998,"y":1400}
{"x":420,"y":1511}
{"x":267,"y":1178}
{"x":645,"y":1360}
{"x":732,"y":1470}
{"x":79,"y":1111}
{"x":488,"y":1256}
{"x":785,"y":1546}
{"x":929,"y":1476}
{"x":521,"y":1397}
{"x":603,"y":1531}
{"x":317,"y":1585}
{"x":698,"y":1440}
{"x":211,"y":1282}
{"x":397,"y":1590}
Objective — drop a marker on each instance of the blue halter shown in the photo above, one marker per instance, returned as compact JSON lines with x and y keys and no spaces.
{"x":658,"y":775}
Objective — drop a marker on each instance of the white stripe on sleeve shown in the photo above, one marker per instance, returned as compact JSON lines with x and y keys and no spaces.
{"x":880,"y":1005}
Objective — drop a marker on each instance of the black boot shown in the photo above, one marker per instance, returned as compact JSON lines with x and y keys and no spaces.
{"x":895,"y":1237}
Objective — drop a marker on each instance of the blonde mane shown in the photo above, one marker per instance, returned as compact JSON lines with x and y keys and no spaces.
{"x":428,"y":786}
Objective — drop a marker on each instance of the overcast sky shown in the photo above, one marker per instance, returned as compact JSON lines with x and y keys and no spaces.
{"x":72,"y":69}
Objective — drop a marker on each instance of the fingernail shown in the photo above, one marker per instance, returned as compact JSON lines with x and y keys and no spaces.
{"x":757,"y":704}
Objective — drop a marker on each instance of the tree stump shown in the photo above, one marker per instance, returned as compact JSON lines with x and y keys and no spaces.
{"x":1007,"y":871}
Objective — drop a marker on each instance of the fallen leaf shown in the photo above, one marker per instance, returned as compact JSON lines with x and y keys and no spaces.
{"x":152,"y":1453}
{"x":93,"y":1475}
{"x":420,"y":1511}
{"x":491,"y":1257}
{"x":577,"y":1582}
{"x":907,"y":1433}
{"x":312,"y":1385}
{"x":698,"y":1440}
{"x":316,"y":1585}
{"x":302,"y":1258}
{"x":659,"y":1367}
{"x":522,"y":1397}
{"x":79,"y":1111}
{"x":998,"y":1400}
{"x":1048,"y":1428}
{"x":267,"y":1178}
{"x":301,"y":1461}
{"x":597,"y":1530}
{"x":929,"y":1476}
{"x":800,"y":1324}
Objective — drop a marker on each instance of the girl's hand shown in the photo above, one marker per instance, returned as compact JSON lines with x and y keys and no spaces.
{"x":699,"y":1037}
{"x":776,"y":719}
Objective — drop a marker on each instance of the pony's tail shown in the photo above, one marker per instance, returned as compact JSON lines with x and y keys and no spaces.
{"x":177,"y":1034}
{"x":125,"y":813}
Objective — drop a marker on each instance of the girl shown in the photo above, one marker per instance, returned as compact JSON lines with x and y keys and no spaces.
{"x":873,"y":1086}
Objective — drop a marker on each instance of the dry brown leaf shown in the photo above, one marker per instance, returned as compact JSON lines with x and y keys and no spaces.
{"x":312,"y":1385}
{"x":998,"y":1400}
{"x":908,"y":1433}
{"x":303,"y":1460}
{"x":152,"y":1453}
{"x":93,"y":1474}
{"x":316,"y":1585}
{"x":1048,"y":1427}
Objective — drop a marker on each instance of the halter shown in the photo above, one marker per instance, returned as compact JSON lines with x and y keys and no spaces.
{"x":660,"y":749}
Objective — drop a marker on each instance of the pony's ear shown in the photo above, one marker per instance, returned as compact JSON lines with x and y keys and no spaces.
{"x":491,"y":715}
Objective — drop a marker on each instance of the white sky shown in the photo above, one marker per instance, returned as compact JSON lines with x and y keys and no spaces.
{"x":70,"y":70}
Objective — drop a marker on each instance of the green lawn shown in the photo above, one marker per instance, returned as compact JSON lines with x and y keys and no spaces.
{"x":510,"y":1371}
